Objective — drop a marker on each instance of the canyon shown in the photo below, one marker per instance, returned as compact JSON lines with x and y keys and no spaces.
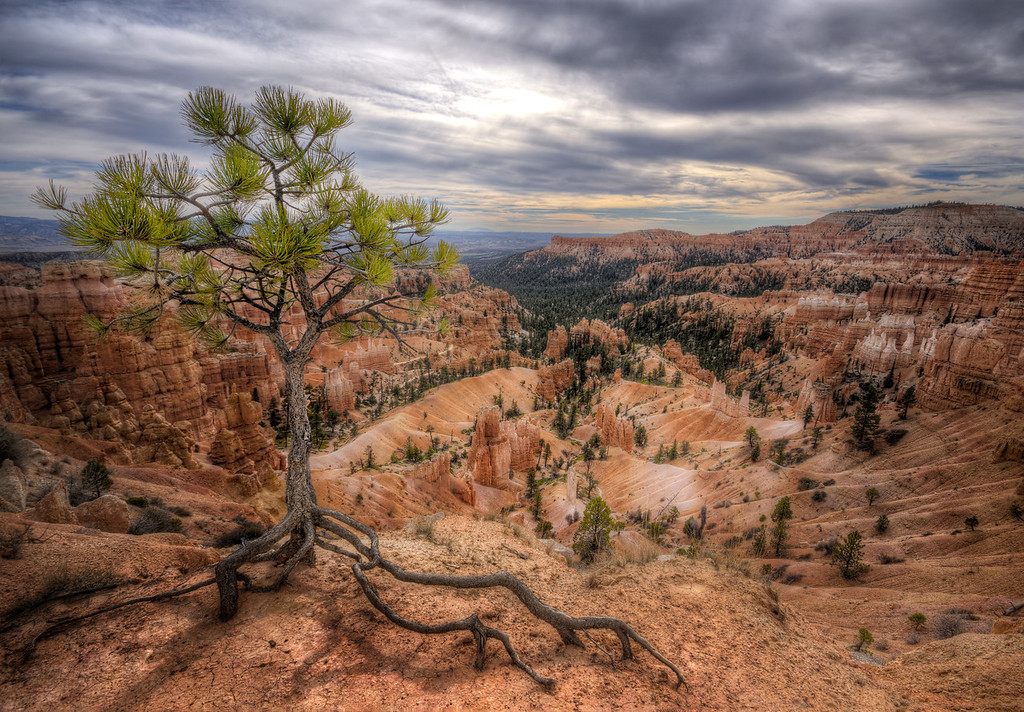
{"x":696,"y":341}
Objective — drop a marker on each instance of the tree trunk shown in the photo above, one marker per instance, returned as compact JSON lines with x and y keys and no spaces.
{"x":300,"y":521}
{"x":299,"y":493}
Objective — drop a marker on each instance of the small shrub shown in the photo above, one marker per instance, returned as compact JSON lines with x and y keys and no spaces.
{"x":887,"y":559}
{"x":882,"y":644}
{"x":894,"y":436}
{"x":154,"y":520}
{"x":544,"y":529}
{"x":819,"y":495}
{"x":246,"y":529}
{"x":864,"y":639}
{"x":917,"y":620}
{"x":913,"y":639}
{"x":11,"y":543}
{"x":181,"y":511}
{"x":642,"y":552}
{"x":971,"y":522}
{"x":881,"y":524}
{"x":826,"y":545}
{"x":140,"y":502}
{"x":12,"y":447}
{"x":425,"y":527}
{"x":947,"y":625}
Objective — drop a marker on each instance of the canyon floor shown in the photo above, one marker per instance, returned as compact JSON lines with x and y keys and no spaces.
{"x":779,"y":332}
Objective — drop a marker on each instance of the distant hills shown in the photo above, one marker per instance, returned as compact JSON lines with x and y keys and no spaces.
{"x":477,"y":247}
{"x":29,"y":234}
{"x":946,"y":228}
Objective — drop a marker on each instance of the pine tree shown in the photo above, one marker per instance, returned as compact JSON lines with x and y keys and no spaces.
{"x":640,"y":436}
{"x":907,"y":399}
{"x":759,"y":544}
{"x":808,"y":414}
{"x":96,"y":478}
{"x":593,"y":535}
{"x":866,"y":417}
{"x":781,"y":515}
{"x":816,"y":436}
{"x":848,"y":553}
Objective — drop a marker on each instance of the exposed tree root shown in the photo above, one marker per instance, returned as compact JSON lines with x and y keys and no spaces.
{"x":303,"y":536}
{"x":61,"y":623}
{"x":368,"y":557}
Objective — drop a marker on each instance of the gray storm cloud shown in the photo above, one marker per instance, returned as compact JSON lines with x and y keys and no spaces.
{"x":574,"y":115}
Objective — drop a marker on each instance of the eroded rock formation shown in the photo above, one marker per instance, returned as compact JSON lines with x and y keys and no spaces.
{"x":558,"y":339}
{"x":725,"y":405}
{"x":501,"y":448}
{"x":243,"y":445}
{"x":615,"y":431}
{"x":554,"y":379}
{"x":818,"y":396}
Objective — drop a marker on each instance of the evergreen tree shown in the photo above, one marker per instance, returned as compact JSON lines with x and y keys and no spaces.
{"x":640,"y":436}
{"x":751,"y":436}
{"x":592,"y":537}
{"x":277,"y":224}
{"x":780,"y":452}
{"x":848,"y":553}
{"x":866,"y":417}
{"x":906,"y":399}
{"x":96,"y":478}
{"x":781,"y":515}
{"x":890,"y":378}
{"x":759,"y":544}
{"x":808,"y":415}
{"x":864,"y":639}
{"x":816,"y":436}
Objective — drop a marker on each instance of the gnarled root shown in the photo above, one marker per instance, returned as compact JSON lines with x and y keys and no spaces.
{"x":312,"y":530}
{"x":565,"y":625}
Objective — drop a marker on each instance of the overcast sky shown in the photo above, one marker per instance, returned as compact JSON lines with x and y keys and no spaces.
{"x":560,"y":115}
